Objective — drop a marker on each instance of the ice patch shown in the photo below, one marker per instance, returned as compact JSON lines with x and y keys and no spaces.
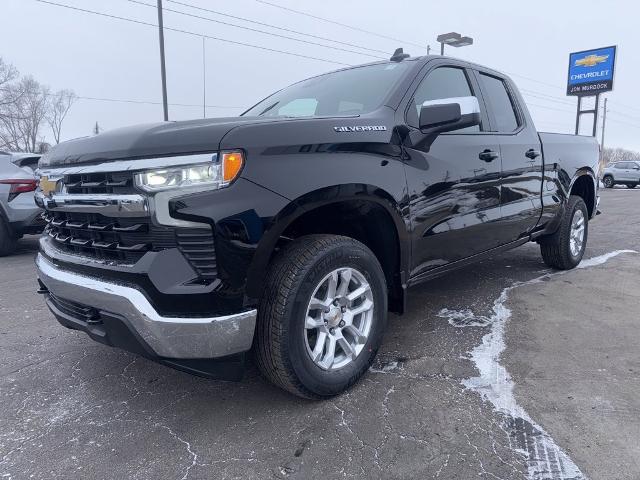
{"x":545,"y":459}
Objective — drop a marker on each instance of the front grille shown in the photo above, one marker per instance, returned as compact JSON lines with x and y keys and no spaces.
{"x":126,"y":240}
{"x":104,"y":238}
{"x":120,"y":183}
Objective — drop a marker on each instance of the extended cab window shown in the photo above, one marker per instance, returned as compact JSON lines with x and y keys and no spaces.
{"x":443,"y":82}
{"x":501,"y":104}
{"x":354,"y":91}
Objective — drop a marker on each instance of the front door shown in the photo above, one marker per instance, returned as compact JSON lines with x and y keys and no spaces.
{"x":454,"y":181}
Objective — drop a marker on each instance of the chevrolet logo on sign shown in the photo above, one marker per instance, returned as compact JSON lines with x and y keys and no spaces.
{"x":591,"y":71}
{"x":591,"y":60}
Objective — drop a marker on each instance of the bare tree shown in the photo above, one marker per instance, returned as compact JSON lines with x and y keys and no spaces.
{"x":611,"y":155}
{"x":23,"y":118}
{"x":9,"y":94}
{"x":59,"y":106}
{"x":8,"y":74}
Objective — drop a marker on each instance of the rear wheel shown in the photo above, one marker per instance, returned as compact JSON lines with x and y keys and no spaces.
{"x":8,"y":240}
{"x":322,"y":315}
{"x":564,"y":249}
{"x":608,"y":181}
{"x":632,"y":185}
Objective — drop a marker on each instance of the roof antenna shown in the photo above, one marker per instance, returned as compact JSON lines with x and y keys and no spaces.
{"x":399,"y":55}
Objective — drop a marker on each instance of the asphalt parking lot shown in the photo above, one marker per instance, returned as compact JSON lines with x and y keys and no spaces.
{"x":502,"y":370}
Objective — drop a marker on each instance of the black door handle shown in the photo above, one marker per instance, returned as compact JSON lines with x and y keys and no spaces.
{"x":532,"y":154}
{"x":488,"y":155}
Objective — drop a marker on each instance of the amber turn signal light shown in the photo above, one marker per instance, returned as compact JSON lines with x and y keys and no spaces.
{"x":231,"y":165}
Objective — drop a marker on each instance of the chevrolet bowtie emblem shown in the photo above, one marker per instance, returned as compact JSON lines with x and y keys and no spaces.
{"x":591,"y":60}
{"x":47,"y":186}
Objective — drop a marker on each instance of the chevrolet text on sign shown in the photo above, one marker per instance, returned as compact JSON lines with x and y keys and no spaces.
{"x":591,"y":71}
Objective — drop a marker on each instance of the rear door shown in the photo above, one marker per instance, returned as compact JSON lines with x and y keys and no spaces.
{"x":454,"y":194}
{"x":623,"y":171}
{"x":520,"y":154}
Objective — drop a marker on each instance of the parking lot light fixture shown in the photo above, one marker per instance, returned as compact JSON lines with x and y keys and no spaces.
{"x":453,"y":39}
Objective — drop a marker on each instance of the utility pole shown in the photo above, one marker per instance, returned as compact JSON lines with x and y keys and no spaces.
{"x":163,"y":72}
{"x":428,"y":49}
{"x":204,"y":80}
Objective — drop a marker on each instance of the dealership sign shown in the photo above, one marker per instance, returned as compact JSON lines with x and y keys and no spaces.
{"x":591,"y":71}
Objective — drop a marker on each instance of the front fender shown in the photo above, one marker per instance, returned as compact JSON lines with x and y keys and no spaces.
{"x":316,"y":199}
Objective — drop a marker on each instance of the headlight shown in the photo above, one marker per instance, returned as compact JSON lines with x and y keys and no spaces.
{"x":219,"y":172}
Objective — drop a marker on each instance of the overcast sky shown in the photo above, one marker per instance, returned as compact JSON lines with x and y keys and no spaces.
{"x":110,"y":58}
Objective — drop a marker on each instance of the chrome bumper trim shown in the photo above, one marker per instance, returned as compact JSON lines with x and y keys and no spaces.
{"x":129,"y":165}
{"x":168,"y":337}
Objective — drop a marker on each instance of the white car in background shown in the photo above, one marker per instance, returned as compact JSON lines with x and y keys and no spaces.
{"x":19,"y":214}
{"x":622,"y":173}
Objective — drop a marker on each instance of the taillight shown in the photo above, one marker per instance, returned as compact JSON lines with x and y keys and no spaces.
{"x":20,"y":185}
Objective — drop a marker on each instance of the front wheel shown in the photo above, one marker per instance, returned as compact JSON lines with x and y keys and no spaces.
{"x":608,"y":182}
{"x":321,"y":316}
{"x":564,"y":249}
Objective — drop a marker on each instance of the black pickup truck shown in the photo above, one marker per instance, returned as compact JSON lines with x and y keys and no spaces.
{"x":290,"y":231}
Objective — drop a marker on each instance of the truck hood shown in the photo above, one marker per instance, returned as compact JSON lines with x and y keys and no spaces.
{"x":138,"y":141}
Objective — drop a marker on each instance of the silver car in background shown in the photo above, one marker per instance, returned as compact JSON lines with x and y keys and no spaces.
{"x":19,"y":214}
{"x":622,"y":173}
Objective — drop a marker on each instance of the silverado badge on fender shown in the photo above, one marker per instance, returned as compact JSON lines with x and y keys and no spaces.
{"x":361,"y":128}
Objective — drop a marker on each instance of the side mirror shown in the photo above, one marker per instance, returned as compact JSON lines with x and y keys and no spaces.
{"x":449,"y":114}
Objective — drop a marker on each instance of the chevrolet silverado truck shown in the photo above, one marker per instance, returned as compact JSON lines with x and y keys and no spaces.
{"x":286,"y":234}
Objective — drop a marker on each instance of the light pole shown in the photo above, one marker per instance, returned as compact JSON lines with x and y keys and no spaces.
{"x":163,"y":72}
{"x":453,"y":39}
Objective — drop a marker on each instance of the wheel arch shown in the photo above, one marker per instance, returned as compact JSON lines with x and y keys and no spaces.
{"x":585,"y":185}
{"x":310,"y":214}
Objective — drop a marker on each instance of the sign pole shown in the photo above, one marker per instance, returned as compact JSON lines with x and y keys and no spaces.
{"x":578,"y":115}
{"x":595,"y":116}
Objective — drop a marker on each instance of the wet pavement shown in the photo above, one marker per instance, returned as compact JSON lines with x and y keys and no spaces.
{"x":500,"y":370}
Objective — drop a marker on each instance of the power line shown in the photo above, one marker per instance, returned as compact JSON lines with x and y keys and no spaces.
{"x":145,"y":102}
{"x":187,"y":32}
{"x":256,"y":30}
{"x":244,"y":19}
{"x":548,"y":107}
{"x":543,"y":96}
{"x":527,"y":78}
{"x":615,"y":112}
{"x":299,"y":12}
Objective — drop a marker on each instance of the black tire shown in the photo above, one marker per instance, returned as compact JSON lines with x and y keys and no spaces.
{"x":8,"y":241}
{"x":608,"y":181}
{"x":280,"y":349}
{"x":555,"y":249}
{"x":632,"y":185}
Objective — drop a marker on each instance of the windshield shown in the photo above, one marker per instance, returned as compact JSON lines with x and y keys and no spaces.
{"x":346,"y":92}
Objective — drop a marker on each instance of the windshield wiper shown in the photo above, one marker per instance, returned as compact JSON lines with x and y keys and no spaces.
{"x":267,"y":109}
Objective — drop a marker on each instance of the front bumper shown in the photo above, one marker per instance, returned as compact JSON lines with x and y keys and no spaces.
{"x":152,"y":334}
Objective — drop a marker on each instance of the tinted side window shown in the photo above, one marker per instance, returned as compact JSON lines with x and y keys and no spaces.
{"x":443,"y":82}
{"x":501,"y":104}
{"x":621,"y":165}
